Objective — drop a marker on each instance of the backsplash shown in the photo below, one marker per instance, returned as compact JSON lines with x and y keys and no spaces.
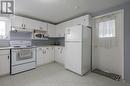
{"x":50,"y":41}
{"x":40,"y":42}
{"x":4,"y":43}
{"x":57,"y":41}
{"x":20,"y":35}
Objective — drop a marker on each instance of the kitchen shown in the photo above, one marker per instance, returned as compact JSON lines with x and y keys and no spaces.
{"x":30,"y":46}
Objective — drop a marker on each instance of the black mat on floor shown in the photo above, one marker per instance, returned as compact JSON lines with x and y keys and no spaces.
{"x":106,"y":74}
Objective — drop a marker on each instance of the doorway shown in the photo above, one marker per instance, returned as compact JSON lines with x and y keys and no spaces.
{"x":108,"y":41}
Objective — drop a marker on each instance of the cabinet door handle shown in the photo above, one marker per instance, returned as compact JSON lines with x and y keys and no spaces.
{"x":61,"y":52}
{"x":40,"y":27}
{"x":22,"y":25}
{"x":8,"y":57}
{"x":40,"y":48}
{"x":43,"y":52}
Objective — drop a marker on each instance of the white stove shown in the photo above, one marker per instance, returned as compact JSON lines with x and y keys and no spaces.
{"x":23,"y":56}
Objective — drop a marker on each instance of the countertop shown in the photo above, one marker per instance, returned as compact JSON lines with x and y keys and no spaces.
{"x":50,"y":46}
{"x":7,"y":48}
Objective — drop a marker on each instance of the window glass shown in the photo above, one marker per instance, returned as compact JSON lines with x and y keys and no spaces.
{"x":107,"y":29}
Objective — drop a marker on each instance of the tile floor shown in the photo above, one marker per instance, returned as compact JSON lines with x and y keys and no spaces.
{"x":55,"y":75}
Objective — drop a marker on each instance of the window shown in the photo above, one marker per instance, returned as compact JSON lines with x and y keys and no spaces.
{"x":107,"y":29}
{"x":2,"y":28}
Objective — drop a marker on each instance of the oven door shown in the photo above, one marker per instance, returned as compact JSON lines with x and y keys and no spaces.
{"x":21,"y":56}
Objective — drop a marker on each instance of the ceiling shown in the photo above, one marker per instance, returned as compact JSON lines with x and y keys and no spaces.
{"x":56,"y":11}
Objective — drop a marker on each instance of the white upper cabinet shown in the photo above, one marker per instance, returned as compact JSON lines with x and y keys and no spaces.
{"x":83,"y":20}
{"x":26,"y":24}
{"x":17,"y":21}
{"x":51,"y":30}
{"x":29,"y":24}
{"x":60,"y":30}
{"x":40,"y":25}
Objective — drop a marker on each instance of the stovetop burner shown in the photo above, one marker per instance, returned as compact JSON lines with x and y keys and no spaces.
{"x":21,"y":44}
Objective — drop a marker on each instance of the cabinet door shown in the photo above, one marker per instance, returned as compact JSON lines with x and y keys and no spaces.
{"x":56,"y":54}
{"x":17,"y":21}
{"x":4,"y":64}
{"x":41,"y":26}
{"x":59,"y":54}
{"x":83,"y":20}
{"x":44,"y":55}
{"x":60,"y":31}
{"x":28,"y":24}
{"x":40,"y":56}
{"x":51,"y":30}
{"x":51,"y":54}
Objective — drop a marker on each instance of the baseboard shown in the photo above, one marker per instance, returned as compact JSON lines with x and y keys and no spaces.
{"x":4,"y":75}
{"x":45,"y":64}
{"x":59,"y":63}
{"x":126,"y":82}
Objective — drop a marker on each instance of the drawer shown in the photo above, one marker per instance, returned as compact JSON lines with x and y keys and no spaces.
{"x":4,"y":52}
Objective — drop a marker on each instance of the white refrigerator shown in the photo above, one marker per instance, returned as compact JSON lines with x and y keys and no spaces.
{"x":78,"y":49}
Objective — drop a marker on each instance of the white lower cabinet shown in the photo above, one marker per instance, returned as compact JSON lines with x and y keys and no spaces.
{"x":59,"y":54}
{"x":45,"y":55}
{"x":4,"y":62}
{"x":50,"y":54}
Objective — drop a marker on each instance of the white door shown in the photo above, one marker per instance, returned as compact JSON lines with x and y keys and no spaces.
{"x":74,"y":33}
{"x":109,"y":46}
{"x":4,"y":64}
{"x":73,"y":56}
